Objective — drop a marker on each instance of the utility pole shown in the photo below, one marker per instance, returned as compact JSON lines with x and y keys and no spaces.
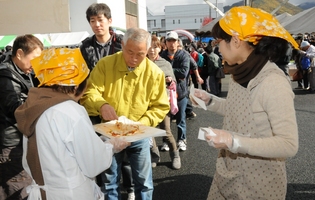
{"x":276,"y":9}
{"x":247,"y":2}
{"x":214,"y":7}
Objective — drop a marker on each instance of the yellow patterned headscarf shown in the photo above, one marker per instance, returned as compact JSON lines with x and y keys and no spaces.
{"x":62,"y":66}
{"x":250,"y":24}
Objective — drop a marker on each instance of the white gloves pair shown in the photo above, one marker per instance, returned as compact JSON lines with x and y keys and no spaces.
{"x":118,"y":143}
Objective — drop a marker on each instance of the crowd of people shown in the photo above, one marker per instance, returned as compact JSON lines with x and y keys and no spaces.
{"x":51,"y":99}
{"x":307,"y":50}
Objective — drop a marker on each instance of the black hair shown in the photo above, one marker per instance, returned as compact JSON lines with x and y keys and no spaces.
{"x":98,"y":9}
{"x":8,"y":48}
{"x":70,"y":89}
{"x":208,"y":49}
{"x":218,"y":33}
{"x":27,"y":43}
{"x":274,"y":47}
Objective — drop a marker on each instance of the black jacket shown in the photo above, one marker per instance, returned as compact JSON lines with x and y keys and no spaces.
{"x":181,"y":66}
{"x":92,"y":52}
{"x":13,"y":93}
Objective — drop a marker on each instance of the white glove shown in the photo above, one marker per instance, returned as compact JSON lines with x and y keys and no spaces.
{"x":221,"y":140}
{"x":206,"y":97}
{"x":119,"y":144}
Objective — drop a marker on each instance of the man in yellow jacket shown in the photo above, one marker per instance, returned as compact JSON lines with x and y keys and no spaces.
{"x":129,"y":84}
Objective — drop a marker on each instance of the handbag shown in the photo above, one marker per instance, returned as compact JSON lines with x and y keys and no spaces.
{"x":173,"y":102}
{"x":298,"y":75}
{"x":220,"y":73}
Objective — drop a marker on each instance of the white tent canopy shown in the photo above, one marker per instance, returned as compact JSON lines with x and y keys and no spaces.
{"x":283,"y":17}
{"x":208,"y":27}
{"x":66,"y":39}
{"x":302,"y":22}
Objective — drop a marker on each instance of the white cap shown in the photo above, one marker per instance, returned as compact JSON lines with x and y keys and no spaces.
{"x":171,"y":35}
{"x":304,"y":44}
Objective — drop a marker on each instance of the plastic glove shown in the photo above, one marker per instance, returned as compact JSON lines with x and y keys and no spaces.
{"x":104,"y":138}
{"x":221,"y":140}
{"x":119,"y":144}
{"x":203,"y":95}
{"x":208,"y":98}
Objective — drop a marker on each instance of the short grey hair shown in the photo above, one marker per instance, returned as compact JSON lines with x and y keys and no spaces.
{"x":138,"y":35}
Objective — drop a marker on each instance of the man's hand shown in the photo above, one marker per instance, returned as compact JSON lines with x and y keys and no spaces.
{"x":168,"y":79}
{"x":200,"y":80}
{"x":108,"y":113}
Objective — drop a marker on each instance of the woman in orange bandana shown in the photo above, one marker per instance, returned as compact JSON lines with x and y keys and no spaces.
{"x":62,"y":153}
{"x":259,"y":128}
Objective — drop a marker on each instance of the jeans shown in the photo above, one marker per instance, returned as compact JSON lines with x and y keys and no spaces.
{"x":138,"y":154}
{"x":181,"y":119}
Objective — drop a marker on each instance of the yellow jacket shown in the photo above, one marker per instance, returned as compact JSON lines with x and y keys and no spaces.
{"x":139,"y":95}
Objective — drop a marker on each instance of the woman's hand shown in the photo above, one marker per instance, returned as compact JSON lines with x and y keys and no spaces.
{"x":119,"y":144}
{"x":221,"y":140}
{"x":203,"y":95}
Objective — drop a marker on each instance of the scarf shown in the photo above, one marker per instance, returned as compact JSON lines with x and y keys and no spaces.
{"x":250,"y":24}
{"x":243,"y":73}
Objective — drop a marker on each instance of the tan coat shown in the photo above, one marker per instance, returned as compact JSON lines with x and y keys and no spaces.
{"x":262,"y":119}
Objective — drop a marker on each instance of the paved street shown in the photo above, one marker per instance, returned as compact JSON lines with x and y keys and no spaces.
{"x":193,"y":180}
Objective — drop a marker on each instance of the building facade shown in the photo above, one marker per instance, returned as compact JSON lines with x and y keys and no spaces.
{"x":186,"y":17}
{"x":60,"y":16}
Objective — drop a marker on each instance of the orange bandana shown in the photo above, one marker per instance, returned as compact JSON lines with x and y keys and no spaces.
{"x":250,"y":24}
{"x":61,"y":66}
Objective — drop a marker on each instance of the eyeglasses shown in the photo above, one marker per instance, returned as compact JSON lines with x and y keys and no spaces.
{"x":217,"y":41}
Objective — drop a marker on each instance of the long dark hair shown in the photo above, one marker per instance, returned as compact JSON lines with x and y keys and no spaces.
{"x":273,"y":47}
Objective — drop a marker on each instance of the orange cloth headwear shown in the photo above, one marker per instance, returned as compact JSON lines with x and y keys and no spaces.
{"x":62,"y":66}
{"x":250,"y":24}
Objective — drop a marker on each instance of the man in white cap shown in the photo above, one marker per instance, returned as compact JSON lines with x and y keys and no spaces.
{"x":309,"y":51}
{"x":180,"y":61}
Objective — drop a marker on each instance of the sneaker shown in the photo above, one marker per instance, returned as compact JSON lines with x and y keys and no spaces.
{"x":191,"y":115}
{"x":153,"y":164}
{"x":131,"y":196}
{"x":176,"y":164}
{"x":182,"y":145}
{"x":165,"y":147}
{"x":306,"y":88}
{"x":173,"y":118}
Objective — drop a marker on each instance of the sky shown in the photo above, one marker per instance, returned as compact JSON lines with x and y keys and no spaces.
{"x":157,"y":6}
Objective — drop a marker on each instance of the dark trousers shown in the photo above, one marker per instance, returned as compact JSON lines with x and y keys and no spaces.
{"x":13,"y":177}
